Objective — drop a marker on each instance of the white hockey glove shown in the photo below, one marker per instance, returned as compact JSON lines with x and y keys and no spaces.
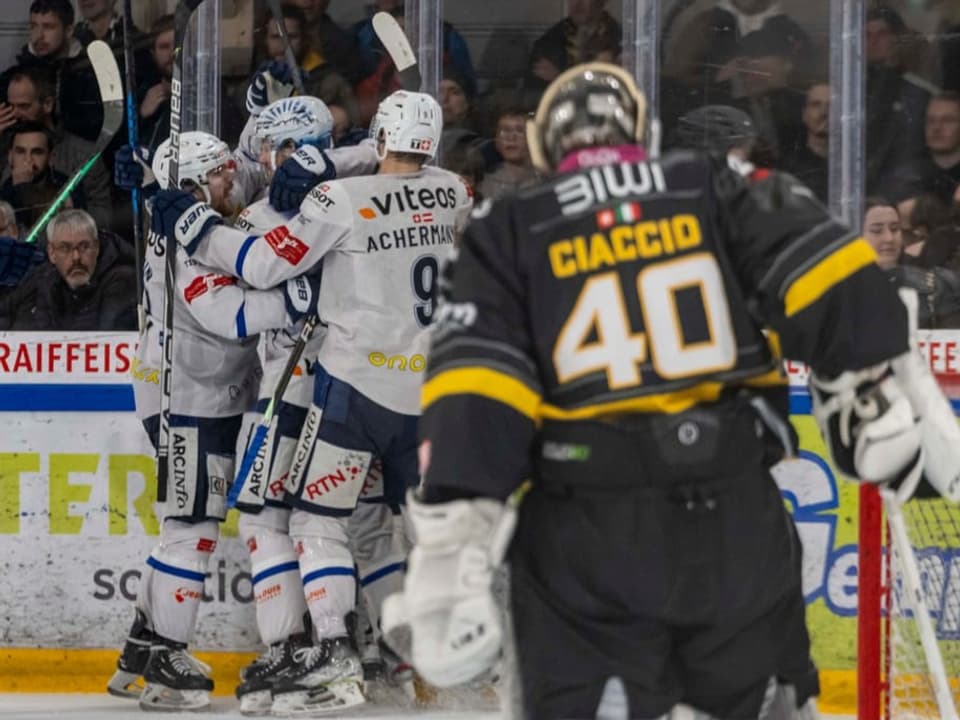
{"x":868,"y":424}
{"x":455,"y":632}
{"x":891,"y":424}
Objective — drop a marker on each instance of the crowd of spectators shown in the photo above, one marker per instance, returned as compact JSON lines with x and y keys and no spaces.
{"x":750,"y":55}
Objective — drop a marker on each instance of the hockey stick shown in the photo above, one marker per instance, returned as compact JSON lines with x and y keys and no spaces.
{"x":913,"y":591}
{"x":133,"y":138}
{"x":111,"y":95}
{"x":253,"y":450}
{"x":181,"y":19}
{"x":398,"y":47}
{"x":291,"y":59}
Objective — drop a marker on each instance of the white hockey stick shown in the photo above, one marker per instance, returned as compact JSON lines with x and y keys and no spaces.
{"x":398,"y":47}
{"x":913,"y":591}
{"x":111,"y":95}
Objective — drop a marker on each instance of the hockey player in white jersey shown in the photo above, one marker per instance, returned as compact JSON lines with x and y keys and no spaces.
{"x":286,"y":126}
{"x":381,"y":240}
{"x":216,"y":322}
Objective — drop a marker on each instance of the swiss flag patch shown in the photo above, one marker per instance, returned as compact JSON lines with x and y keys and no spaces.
{"x":286,"y":245}
{"x":205,"y":283}
{"x":206,"y":545}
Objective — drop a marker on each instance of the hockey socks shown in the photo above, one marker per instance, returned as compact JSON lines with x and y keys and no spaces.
{"x":172,"y":586}
{"x":277,"y":587}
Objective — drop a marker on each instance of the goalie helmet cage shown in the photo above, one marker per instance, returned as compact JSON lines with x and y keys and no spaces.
{"x":896,"y":675}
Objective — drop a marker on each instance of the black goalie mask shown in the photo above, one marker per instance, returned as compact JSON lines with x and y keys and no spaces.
{"x":587,"y":106}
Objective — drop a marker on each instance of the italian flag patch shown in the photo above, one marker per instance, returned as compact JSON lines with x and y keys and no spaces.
{"x":623,"y":213}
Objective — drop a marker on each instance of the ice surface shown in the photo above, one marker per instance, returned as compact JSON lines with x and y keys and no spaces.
{"x":104,"y":707}
{"x":98,"y":707}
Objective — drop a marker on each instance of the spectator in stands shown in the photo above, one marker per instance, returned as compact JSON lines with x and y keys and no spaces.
{"x":269,"y":44}
{"x":763,"y":83}
{"x":32,"y":95}
{"x":587,"y":25}
{"x":889,"y":45}
{"x":101,"y":21}
{"x":696,"y":72}
{"x":938,"y":288}
{"x":334,"y":45}
{"x":53,"y":46}
{"x":32,"y":183}
{"x":456,"y":53}
{"x":153,"y":97}
{"x":920,"y":218}
{"x":8,"y":221}
{"x":808,"y":161}
{"x":942,"y":162}
{"x":515,"y":170}
{"x":89,"y":283}
{"x":466,"y":160}
{"x":881,"y":228}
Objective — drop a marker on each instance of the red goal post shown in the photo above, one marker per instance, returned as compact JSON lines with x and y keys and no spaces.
{"x":894,"y":676}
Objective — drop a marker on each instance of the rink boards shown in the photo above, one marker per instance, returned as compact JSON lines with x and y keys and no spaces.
{"x":77,"y":520}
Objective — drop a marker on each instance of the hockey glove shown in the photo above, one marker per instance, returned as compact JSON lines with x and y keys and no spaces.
{"x":131,"y":170}
{"x":446,"y":621}
{"x":300,"y":296}
{"x":16,"y":259}
{"x":178,"y":214}
{"x":272,"y":82}
{"x":298,"y":175}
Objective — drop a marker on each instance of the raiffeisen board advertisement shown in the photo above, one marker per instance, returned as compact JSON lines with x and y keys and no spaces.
{"x":78,"y":518}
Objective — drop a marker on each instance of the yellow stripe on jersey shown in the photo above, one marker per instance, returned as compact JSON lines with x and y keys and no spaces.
{"x":484,"y":382}
{"x":833,"y":269}
{"x":769,"y":379}
{"x":670,"y":403}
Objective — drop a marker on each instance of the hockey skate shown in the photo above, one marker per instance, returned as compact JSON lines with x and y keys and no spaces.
{"x":126,"y":681}
{"x":175,"y":680}
{"x":387,"y":677}
{"x":327,"y":679}
{"x":260,"y":676}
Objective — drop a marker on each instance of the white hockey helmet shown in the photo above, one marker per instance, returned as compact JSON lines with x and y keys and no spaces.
{"x":302,"y":120}
{"x":409,"y":122}
{"x":200,"y":153}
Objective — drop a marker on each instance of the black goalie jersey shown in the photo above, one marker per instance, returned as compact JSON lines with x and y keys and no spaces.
{"x":629,"y":288}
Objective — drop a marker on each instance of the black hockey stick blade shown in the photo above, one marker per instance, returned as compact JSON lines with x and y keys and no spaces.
{"x":398,"y":47}
{"x":291,"y":59}
{"x":111,"y":95}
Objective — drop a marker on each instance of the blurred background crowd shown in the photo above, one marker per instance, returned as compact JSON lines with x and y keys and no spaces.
{"x":764,"y":63}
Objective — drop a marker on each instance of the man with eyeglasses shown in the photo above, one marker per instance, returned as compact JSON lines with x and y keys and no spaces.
{"x":89,"y":283}
{"x":515,"y":169}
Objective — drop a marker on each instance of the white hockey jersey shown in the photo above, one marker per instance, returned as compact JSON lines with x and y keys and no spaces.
{"x":381,"y":240}
{"x":276,"y":345}
{"x":216,"y":321}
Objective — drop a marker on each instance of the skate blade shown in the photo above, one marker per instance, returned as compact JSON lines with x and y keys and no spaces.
{"x":158,"y":698}
{"x":256,"y":703}
{"x":325,"y":699}
{"x":125,"y":684}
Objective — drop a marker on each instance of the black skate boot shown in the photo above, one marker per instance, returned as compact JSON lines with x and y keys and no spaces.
{"x":174,"y":679}
{"x":126,"y":681}
{"x":327,"y":678}
{"x":260,"y":676}
{"x":266,"y":657}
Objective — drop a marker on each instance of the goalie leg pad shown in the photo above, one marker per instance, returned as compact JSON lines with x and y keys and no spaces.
{"x":172,"y":586}
{"x":278,"y":591}
{"x":454,"y":624}
{"x":326,"y":569}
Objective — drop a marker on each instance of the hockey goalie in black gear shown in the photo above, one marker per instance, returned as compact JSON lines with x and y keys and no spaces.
{"x":615,"y":335}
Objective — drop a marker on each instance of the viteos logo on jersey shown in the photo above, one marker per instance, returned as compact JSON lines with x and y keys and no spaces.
{"x":410,"y":200}
{"x":600,"y":185}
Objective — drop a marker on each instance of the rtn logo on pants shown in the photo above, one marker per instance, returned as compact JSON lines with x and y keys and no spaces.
{"x":286,"y":245}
